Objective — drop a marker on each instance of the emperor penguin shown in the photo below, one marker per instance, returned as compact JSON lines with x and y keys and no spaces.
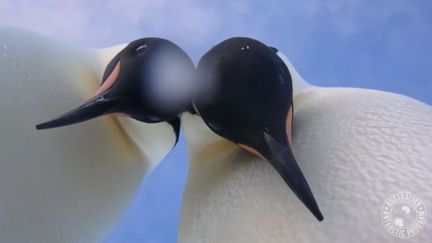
{"x":260,"y":138}
{"x":72,"y":184}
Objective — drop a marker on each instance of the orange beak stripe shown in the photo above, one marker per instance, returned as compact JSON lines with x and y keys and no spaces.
{"x":288,"y":125}
{"x":109,"y":82}
{"x":288,"y":128}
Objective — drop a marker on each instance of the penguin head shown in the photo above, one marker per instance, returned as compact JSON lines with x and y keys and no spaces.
{"x":251,"y":104}
{"x":143,"y":81}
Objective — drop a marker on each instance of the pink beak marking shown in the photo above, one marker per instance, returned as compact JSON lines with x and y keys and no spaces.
{"x":109,"y":82}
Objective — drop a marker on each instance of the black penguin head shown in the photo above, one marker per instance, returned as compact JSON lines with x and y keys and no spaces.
{"x":139,"y":82}
{"x":251,"y":104}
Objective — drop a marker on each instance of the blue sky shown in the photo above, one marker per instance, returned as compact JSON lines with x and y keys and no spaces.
{"x":370,"y":44}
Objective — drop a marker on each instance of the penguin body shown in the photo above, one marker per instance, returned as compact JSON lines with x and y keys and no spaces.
{"x":356,"y":147}
{"x":72,"y":184}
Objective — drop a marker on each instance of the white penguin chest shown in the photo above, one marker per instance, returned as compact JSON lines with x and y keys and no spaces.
{"x":355,"y":147}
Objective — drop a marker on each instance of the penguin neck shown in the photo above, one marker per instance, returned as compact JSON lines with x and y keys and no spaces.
{"x":299,"y":84}
{"x":203,"y":144}
{"x":152,"y":140}
{"x":303,"y":91}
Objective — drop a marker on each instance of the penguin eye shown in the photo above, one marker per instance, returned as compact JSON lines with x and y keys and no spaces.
{"x":141,"y":49}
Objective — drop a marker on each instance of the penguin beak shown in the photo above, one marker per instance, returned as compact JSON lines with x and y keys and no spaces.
{"x":282,"y":159}
{"x":91,"y":109}
{"x":102,"y":103}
